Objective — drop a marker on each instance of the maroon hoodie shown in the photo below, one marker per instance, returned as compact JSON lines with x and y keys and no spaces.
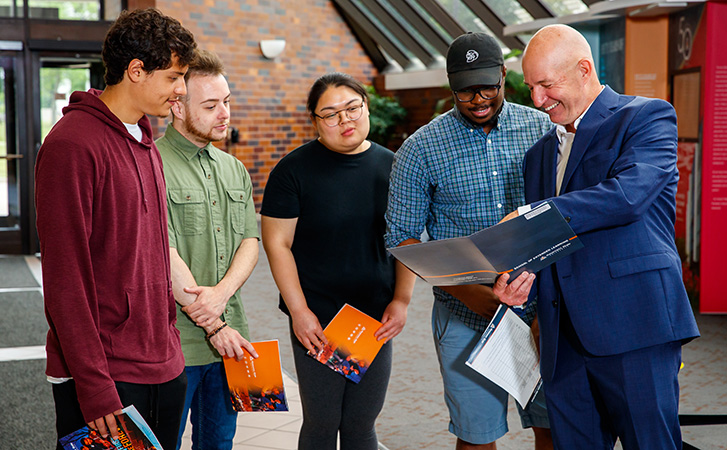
{"x":102,"y":222}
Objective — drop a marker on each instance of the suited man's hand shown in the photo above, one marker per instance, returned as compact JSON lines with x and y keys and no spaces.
{"x":515,"y":293}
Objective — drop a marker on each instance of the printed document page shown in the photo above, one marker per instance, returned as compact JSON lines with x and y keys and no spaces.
{"x":507,"y":356}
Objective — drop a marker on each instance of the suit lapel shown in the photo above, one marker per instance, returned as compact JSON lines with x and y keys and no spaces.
{"x":601,"y":108}
{"x":549,"y":163}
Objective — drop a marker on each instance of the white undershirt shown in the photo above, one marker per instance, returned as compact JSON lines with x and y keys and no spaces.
{"x":135,"y":130}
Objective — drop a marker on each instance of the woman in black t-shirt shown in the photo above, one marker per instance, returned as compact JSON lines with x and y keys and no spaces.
{"x":322,"y":229}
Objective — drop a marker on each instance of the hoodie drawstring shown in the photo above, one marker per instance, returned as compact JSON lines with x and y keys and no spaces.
{"x":161,"y":205}
{"x":138,"y":174}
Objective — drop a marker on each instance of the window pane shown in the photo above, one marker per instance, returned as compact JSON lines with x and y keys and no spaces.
{"x":408,"y":27}
{"x":11,"y":8}
{"x":361,"y":5}
{"x":509,"y":11}
{"x":431,"y":20}
{"x":65,"y":10}
{"x":57,"y":84}
{"x":466,"y":18}
{"x":112,"y":9}
{"x":565,"y":7}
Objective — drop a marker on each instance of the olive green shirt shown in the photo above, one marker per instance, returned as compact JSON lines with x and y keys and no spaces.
{"x":210,"y":208}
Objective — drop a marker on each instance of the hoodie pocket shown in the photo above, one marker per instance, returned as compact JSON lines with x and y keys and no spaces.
{"x":187,"y":210}
{"x":237,"y":209}
{"x":144,"y":336}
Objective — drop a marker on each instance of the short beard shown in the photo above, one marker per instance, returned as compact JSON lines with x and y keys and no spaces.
{"x":191,"y":129}
{"x":492,"y":123}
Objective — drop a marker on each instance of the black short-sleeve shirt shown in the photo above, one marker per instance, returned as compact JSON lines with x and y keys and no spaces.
{"x":339,"y":250}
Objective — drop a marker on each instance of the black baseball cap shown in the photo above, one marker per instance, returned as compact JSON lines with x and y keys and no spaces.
{"x":474,"y":59}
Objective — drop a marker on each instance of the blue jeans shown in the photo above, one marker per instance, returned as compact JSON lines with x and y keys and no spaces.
{"x":214,"y":422}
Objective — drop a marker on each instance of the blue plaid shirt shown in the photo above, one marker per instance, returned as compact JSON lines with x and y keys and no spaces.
{"x":453,"y":179}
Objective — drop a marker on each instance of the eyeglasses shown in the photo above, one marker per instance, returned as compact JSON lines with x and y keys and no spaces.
{"x":487,"y":93}
{"x":333,"y":119}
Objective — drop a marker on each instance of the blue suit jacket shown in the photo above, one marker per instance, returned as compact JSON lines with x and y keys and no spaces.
{"x":624,"y":290}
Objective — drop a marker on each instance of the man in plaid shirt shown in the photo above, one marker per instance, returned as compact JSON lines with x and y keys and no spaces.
{"x":458,"y":174}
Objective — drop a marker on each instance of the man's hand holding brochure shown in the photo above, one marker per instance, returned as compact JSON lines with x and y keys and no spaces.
{"x":132,"y":433}
{"x":506,"y":353}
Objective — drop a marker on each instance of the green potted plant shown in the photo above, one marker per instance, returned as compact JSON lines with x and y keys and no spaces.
{"x":385,"y":114}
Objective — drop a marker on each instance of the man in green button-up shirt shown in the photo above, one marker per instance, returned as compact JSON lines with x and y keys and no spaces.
{"x":213,"y":238}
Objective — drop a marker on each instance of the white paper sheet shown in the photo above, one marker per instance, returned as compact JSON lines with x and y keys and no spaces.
{"x":507,"y":356}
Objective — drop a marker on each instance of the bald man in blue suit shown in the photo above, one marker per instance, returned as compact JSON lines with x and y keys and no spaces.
{"x":614,"y":315}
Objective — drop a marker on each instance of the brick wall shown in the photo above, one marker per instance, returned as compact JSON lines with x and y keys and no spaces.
{"x":268,"y":96}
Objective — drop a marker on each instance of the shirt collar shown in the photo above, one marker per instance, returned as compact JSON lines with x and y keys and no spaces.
{"x":186,"y":148}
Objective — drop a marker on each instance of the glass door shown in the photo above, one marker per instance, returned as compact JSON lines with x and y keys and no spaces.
{"x":58,"y":79}
{"x":10,"y":160}
{"x":54,"y":78}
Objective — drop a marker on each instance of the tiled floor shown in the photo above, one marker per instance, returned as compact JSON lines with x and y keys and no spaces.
{"x":263,"y":431}
{"x":266,"y":430}
{"x":413,"y":418}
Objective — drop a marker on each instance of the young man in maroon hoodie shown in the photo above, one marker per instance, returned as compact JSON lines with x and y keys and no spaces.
{"x":102,"y":222}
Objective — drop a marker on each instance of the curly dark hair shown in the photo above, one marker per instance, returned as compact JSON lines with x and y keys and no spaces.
{"x":149,"y":36}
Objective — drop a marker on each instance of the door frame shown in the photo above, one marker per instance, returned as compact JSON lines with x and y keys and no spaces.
{"x":30,"y":40}
{"x":12,"y":240}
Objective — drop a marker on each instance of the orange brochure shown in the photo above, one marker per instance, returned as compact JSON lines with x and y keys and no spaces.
{"x":351,"y":346}
{"x":257,"y":384}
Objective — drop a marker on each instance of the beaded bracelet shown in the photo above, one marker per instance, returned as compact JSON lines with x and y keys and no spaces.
{"x":215,"y":331}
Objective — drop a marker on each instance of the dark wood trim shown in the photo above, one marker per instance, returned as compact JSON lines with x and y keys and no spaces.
{"x":68,"y":30}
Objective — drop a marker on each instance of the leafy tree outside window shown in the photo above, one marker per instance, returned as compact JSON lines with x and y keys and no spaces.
{"x":64,"y":10}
